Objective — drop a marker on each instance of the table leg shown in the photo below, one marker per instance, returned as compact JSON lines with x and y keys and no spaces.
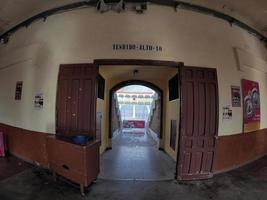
{"x":54,"y":176}
{"x":82,"y":190}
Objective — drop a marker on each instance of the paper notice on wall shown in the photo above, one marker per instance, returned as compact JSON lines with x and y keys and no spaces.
{"x":39,"y":101}
{"x":227,"y":113}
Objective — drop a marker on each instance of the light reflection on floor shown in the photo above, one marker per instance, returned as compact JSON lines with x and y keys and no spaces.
{"x":135,"y":156}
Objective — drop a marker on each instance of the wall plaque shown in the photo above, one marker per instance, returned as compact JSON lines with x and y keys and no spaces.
{"x":137,"y":47}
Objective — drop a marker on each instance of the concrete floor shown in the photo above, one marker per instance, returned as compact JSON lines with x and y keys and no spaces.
{"x":10,"y":165}
{"x":135,"y":156}
{"x":248,"y":183}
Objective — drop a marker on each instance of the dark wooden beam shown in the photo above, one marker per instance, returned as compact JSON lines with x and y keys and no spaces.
{"x":141,"y":62}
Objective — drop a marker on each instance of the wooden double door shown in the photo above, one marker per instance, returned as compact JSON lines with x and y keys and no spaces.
{"x":198,"y":122}
{"x":76,"y":113}
{"x":76,"y":100}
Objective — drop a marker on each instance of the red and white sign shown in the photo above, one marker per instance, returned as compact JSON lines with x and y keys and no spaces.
{"x":2,"y":146}
{"x":133,"y":124}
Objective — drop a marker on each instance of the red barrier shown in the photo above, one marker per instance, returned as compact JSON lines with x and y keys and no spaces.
{"x":2,"y":146}
{"x":133,"y":124}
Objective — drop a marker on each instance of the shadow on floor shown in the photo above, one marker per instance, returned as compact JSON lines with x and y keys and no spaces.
{"x":241,"y":184}
{"x":10,"y":165}
{"x":135,"y":156}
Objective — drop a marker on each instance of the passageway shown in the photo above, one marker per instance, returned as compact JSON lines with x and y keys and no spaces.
{"x":135,"y":156}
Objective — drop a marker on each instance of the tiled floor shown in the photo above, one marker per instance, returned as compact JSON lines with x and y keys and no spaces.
{"x":135,"y":156}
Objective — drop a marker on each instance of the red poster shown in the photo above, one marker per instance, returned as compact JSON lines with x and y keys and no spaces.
{"x":251,"y":105}
{"x":2,"y":147}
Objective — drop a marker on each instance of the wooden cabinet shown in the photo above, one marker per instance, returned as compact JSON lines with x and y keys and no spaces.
{"x":77,"y":163}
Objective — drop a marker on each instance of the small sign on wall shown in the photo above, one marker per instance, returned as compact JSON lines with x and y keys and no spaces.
{"x":18,"y":92}
{"x":227,"y":113}
{"x":236,"y":96}
{"x":39,"y":101}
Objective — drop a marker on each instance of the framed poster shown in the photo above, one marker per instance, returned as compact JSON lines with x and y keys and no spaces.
{"x":18,"y":91}
{"x":251,"y":105}
{"x":236,"y":96}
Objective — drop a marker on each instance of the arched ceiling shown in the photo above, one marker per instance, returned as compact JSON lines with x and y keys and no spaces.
{"x":13,"y":12}
{"x":252,"y":12}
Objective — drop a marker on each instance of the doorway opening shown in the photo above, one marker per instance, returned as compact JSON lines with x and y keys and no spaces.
{"x":136,"y":107}
{"x":134,"y":110}
{"x":136,"y":115}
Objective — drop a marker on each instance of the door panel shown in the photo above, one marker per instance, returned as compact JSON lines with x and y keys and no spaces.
{"x":199,"y":122}
{"x":76,"y":99}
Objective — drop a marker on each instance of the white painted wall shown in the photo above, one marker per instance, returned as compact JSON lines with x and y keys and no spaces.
{"x":83,"y":35}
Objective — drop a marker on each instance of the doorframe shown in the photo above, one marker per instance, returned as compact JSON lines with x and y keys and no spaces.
{"x":140,"y":62}
{"x":146,"y":62}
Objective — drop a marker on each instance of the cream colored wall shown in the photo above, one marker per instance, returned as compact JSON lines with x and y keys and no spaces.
{"x":83,"y":35}
{"x":172,"y":113}
{"x":101,"y":107}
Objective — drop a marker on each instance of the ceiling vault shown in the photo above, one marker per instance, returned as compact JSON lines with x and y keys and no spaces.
{"x":171,"y":3}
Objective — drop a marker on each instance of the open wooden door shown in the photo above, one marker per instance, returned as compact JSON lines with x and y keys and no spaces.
{"x":199,"y":122}
{"x":76,"y":99}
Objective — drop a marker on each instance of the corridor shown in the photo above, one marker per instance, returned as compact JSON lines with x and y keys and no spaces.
{"x":135,"y":156}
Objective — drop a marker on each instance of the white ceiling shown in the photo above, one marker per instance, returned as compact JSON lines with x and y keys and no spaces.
{"x":14,"y":11}
{"x":253,"y":12}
